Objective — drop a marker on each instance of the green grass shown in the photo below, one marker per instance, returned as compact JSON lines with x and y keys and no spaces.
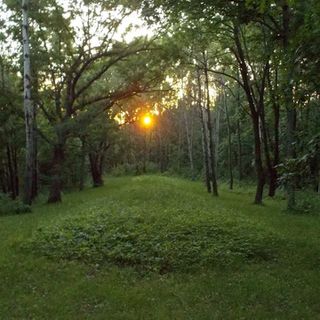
{"x":62,"y":286}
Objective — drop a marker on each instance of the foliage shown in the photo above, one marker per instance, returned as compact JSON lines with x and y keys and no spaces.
{"x":9,"y":206}
{"x":83,"y":65}
{"x":292,"y":170}
{"x":130,"y":237}
{"x":308,"y":202}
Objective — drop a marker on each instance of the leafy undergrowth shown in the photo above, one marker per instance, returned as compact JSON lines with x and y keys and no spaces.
{"x":147,"y":243}
{"x":9,"y":206}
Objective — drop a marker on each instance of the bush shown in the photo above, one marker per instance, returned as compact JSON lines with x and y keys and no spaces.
{"x":153,"y":245}
{"x":308,"y":202}
{"x":9,"y":206}
{"x":123,"y":170}
{"x":134,"y":169}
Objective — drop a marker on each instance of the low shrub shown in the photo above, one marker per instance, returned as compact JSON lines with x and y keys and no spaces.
{"x":153,"y":245}
{"x":134,"y":169}
{"x":9,"y":206}
{"x":308,"y":202}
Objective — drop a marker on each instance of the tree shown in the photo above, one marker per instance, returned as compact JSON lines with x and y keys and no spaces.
{"x":99,"y":137}
{"x":28,"y":107}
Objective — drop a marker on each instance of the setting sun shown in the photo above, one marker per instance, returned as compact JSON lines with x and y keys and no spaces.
{"x":147,"y":120}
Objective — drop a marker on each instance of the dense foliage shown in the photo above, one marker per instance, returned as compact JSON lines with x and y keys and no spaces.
{"x":232,"y":89}
{"x":128,"y":238}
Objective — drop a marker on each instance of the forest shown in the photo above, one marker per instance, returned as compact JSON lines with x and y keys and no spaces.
{"x":159,"y":159}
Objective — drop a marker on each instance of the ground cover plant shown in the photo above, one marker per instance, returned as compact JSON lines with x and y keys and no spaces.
{"x":172,"y":243}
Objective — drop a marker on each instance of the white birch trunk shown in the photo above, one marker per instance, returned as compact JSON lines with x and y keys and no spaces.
{"x":28,"y":106}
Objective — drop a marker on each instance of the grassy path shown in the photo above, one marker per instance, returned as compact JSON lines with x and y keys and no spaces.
{"x":34,"y":287}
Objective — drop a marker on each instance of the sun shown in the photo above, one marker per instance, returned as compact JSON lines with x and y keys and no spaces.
{"x":147,"y":121}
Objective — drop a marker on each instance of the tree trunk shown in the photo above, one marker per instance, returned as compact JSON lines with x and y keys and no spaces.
{"x":189,"y":141}
{"x":210,"y":132}
{"x":239,"y":140}
{"x":291,"y":120}
{"x":272,"y":174}
{"x":229,"y":141}
{"x":16,"y":172}
{"x":254,"y":117}
{"x":216,"y":139}
{"x":96,"y":169}
{"x":3,"y":180}
{"x":162,"y":149}
{"x":28,"y":107}
{"x":56,"y":178}
{"x":82,"y":164}
{"x":288,"y":98}
{"x":145,"y":153}
{"x":12,"y":175}
{"x":204,"y":135}
{"x":258,"y":161}
{"x":35,"y":178}
{"x":276,"y":153}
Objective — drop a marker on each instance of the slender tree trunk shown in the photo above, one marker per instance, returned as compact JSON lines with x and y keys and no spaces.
{"x":189,"y":141}
{"x":291,"y":154}
{"x":239,"y":140}
{"x":273,"y":179}
{"x":229,"y":141}
{"x":160,"y":148}
{"x":180,"y":142}
{"x":216,"y":140}
{"x":258,"y":161}
{"x":35,"y":178}
{"x":28,"y":107}
{"x":16,"y":172}
{"x":254,"y":117}
{"x":210,"y":132}
{"x":145,"y":153}
{"x":82,"y":164}
{"x":273,"y":175}
{"x":288,"y":100}
{"x":271,"y":169}
{"x":56,"y":177}
{"x":276,"y":153}
{"x":12,"y":175}
{"x":204,"y":135}
{"x":3,"y":179}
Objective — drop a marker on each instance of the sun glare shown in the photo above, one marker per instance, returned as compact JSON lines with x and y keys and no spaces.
{"x":147,"y":121}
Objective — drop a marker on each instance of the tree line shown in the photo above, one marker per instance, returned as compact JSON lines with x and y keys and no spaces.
{"x":232,"y":87}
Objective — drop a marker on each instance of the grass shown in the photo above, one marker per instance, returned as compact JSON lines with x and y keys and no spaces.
{"x":286,"y":286}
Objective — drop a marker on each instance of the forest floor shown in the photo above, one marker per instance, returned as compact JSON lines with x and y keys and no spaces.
{"x":161,"y":248}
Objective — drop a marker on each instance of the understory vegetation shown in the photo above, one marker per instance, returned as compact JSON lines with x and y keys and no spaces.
{"x":155,"y":247}
{"x":147,"y":240}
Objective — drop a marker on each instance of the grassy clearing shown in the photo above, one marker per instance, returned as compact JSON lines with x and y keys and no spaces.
{"x":229,"y":259}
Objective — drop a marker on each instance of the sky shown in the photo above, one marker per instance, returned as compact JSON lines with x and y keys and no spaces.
{"x":123,"y":33}
{"x":133,"y":20}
